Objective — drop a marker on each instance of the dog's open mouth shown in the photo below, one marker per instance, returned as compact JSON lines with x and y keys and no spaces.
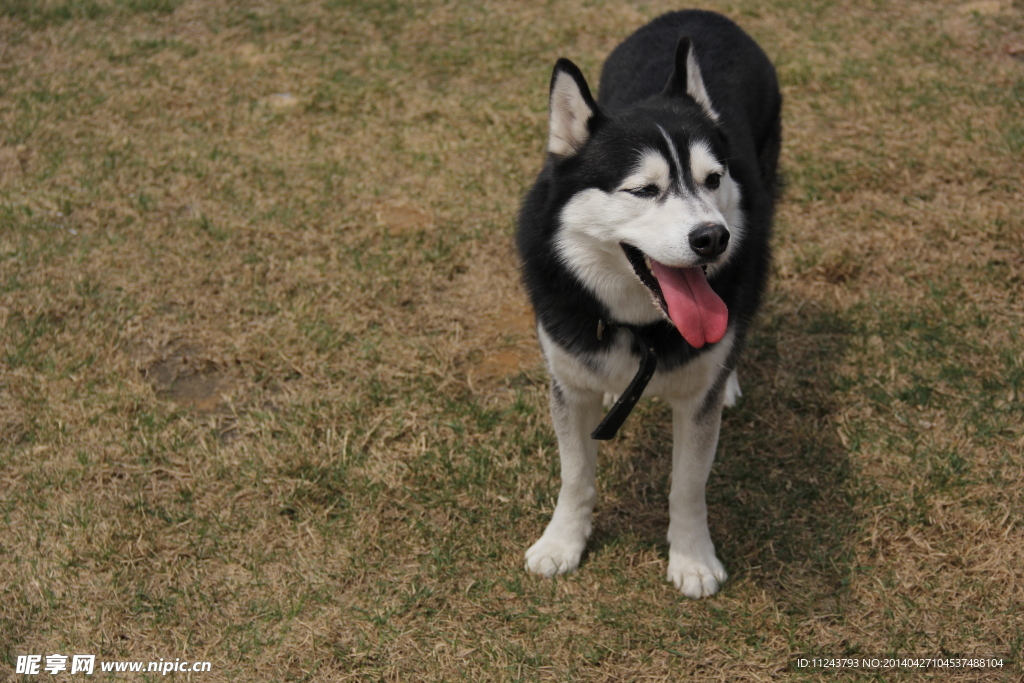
{"x":684,"y":296}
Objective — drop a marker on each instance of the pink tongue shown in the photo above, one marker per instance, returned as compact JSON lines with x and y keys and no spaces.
{"x":699,"y":314}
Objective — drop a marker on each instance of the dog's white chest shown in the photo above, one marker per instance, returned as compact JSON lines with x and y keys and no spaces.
{"x":611,"y":371}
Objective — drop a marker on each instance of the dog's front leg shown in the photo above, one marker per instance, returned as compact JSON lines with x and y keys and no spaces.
{"x":692,"y":564}
{"x":575,"y":414}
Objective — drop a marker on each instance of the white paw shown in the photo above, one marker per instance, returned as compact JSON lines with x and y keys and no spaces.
{"x":696,"y":575}
{"x":610,"y":399}
{"x":732,"y":390}
{"x":554,"y":554}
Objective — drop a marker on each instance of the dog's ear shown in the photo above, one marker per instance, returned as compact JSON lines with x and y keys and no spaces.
{"x":686,"y":78}
{"x":571,"y":108}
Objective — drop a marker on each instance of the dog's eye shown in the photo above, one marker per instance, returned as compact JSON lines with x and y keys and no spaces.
{"x":646,"y":191}
{"x":713,"y":181}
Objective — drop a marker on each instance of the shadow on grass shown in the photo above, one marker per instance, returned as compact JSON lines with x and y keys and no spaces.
{"x":779,"y":504}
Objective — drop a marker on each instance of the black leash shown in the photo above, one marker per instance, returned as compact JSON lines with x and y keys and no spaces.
{"x":609,"y":426}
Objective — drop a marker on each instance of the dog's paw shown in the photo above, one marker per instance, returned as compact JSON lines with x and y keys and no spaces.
{"x":553,"y":555}
{"x":609,"y":399}
{"x":732,"y":390}
{"x":696,"y":576}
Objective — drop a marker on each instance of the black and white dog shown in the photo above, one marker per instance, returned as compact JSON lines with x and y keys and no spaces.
{"x":644,"y":249}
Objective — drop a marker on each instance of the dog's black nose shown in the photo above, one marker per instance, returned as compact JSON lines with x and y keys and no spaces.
{"x":710,"y":239}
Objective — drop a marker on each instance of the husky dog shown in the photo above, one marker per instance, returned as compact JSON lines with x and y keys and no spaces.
{"x":644,"y":250}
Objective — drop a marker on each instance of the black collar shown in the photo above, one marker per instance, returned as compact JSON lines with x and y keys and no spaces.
{"x":609,"y":426}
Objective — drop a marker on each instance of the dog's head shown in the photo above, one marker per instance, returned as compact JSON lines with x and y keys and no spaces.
{"x":650,"y":209}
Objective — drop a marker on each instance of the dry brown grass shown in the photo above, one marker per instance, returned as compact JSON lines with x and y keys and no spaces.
{"x":270,"y":395}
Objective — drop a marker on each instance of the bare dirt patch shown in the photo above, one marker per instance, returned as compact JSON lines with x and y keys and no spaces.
{"x":191,"y":381}
{"x":13,"y":162}
{"x":400,"y":218}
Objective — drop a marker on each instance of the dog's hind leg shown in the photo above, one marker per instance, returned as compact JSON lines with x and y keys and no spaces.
{"x":575,"y":414}
{"x":692,"y":564}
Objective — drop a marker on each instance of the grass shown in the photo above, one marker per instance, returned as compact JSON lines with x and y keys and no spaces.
{"x":270,"y":396}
